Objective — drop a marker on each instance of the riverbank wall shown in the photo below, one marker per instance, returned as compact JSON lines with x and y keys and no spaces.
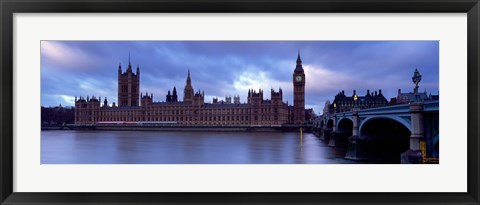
{"x":55,"y":127}
{"x":289,"y":128}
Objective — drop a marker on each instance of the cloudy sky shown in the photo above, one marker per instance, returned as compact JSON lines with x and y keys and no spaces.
{"x":220,"y":68}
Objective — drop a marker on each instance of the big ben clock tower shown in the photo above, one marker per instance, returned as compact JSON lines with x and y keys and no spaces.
{"x":298,"y":93}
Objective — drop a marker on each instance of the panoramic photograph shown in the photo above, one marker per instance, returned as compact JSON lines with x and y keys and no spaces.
{"x":239,"y":102}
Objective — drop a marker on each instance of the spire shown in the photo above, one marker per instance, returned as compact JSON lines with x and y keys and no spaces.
{"x":174,"y":95}
{"x":129,"y":68}
{"x":299,"y":67}
{"x":298,"y":58}
{"x":189,"y":81}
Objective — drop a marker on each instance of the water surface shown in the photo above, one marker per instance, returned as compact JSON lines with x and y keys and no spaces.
{"x":154,"y":147}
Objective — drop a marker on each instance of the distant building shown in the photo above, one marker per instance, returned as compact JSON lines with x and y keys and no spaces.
{"x":133,"y":106}
{"x":309,"y":115}
{"x":57,"y":115}
{"x":404,"y":98}
{"x":343,"y":103}
{"x":326,"y":107}
{"x":393,"y":101}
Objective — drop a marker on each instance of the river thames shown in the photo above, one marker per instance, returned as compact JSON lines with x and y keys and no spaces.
{"x":152,"y":147}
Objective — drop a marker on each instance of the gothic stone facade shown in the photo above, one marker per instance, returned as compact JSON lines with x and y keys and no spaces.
{"x":343,"y":103}
{"x":138,"y":108}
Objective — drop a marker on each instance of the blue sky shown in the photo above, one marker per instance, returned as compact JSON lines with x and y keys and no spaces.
{"x":228,"y":68}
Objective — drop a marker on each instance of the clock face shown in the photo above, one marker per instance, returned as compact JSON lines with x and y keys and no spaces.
{"x":298,"y":78}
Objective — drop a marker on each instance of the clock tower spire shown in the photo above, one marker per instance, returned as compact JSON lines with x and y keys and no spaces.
{"x":299,"y":61}
{"x":299,"y":93}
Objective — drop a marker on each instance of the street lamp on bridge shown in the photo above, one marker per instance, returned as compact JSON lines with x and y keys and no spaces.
{"x":355,"y":99}
{"x":416,"y":79}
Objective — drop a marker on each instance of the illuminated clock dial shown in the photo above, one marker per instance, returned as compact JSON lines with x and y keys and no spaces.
{"x":298,"y":78}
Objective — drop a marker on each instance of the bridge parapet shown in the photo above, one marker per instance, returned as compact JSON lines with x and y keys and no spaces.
{"x":431,"y":106}
{"x":392,"y":109}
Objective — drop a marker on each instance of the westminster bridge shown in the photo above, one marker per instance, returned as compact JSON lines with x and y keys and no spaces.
{"x":407,"y":133}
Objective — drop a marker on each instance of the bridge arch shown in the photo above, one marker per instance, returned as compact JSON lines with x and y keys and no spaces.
{"x":344,"y":131}
{"x":404,"y":122}
{"x":330,"y":124}
{"x":387,"y":137}
{"x":342,"y":122}
{"x":345,"y":125}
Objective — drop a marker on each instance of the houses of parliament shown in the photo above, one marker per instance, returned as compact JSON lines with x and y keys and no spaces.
{"x":135,"y":107}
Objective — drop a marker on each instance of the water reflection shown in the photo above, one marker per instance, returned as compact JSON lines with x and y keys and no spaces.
{"x":149,"y":147}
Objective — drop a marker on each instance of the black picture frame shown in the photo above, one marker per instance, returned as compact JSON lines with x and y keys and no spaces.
{"x":9,"y":7}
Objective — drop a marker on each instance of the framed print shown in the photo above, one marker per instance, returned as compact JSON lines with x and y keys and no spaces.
{"x":239,"y":102}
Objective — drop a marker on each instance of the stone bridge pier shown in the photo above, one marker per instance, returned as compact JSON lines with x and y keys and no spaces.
{"x":322,"y":129}
{"x":325,"y":135}
{"x":357,"y":146}
{"x":341,"y":133}
{"x":414,"y":154}
{"x":332,"y":136}
{"x":317,"y":128}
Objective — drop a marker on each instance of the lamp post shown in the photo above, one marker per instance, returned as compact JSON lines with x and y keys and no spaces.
{"x":355,"y":117}
{"x":355,"y":99}
{"x":414,"y":155}
{"x":333,"y":133}
{"x":334,"y":118}
{"x":416,"y":79}
{"x":356,"y":144}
